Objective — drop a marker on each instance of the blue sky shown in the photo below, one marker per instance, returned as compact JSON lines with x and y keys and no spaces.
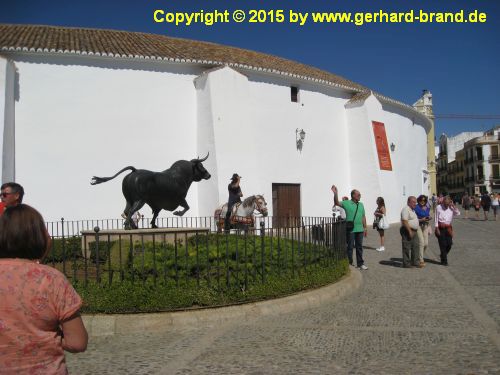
{"x":458,"y":63}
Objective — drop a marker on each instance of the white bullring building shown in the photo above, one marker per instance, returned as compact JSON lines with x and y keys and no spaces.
{"x":75,"y":103}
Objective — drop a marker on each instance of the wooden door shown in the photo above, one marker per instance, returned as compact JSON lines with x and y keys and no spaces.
{"x":286,"y":205}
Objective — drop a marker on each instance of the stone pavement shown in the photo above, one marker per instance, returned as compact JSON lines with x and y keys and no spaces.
{"x":435,"y":320}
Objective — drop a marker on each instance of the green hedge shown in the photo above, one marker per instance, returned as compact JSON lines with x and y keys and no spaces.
{"x":149,"y":278}
{"x":205,"y":255}
{"x":148,"y":297}
{"x":200,"y":257}
{"x":70,"y":248}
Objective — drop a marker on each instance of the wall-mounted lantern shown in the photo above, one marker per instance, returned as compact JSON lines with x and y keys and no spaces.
{"x":393,"y":147}
{"x":300,"y":136}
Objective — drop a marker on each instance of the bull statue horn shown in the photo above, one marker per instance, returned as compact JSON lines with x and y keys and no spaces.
{"x":205,"y":158}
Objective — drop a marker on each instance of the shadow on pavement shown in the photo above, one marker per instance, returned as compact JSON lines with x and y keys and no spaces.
{"x":393,"y":262}
{"x":398,"y":262}
{"x":432,"y":261}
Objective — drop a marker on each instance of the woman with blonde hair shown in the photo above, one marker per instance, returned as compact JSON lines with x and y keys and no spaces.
{"x":39,"y":309}
{"x":495,"y":201}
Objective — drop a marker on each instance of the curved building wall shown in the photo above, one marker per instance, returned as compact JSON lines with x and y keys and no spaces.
{"x":323,"y":159}
{"x":254,"y":127}
{"x":408,"y":159}
{"x":76,"y":117}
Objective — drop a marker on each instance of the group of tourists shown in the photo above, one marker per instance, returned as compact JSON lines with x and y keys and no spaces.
{"x":39,"y":308}
{"x":415,"y":226}
{"x":415,"y":229}
{"x":485,"y":201}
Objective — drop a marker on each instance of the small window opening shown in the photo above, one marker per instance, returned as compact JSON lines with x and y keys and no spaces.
{"x":294,"y":94}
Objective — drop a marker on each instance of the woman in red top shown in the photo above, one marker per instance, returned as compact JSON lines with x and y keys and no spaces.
{"x":39,"y":309}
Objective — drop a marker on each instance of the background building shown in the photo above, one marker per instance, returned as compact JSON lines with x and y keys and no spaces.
{"x":424,"y":105}
{"x":474,"y":165}
{"x":456,"y":175}
{"x":75,"y":103}
{"x":448,"y":147}
{"x":482,"y":163}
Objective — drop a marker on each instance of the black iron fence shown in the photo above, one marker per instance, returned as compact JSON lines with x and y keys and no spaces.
{"x":193,"y":251}
{"x":75,"y":227}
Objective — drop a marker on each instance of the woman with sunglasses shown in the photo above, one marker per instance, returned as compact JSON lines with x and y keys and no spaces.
{"x":423,"y":212}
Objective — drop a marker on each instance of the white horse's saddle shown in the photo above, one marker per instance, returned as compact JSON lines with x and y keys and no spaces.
{"x":234,"y":218}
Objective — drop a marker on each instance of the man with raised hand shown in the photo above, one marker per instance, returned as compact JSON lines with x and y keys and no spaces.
{"x":355,"y":225}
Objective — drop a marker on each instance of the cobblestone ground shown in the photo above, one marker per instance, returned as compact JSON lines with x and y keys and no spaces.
{"x":435,"y":320}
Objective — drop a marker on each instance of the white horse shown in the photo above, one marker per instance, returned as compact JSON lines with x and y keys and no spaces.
{"x":241,"y":213}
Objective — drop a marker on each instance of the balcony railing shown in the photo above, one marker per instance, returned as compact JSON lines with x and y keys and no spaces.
{"x":492,"y":158}
{"x":476,"y":158}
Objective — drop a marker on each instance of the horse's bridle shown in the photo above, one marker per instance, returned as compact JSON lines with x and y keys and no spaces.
{"x":259,"y":208}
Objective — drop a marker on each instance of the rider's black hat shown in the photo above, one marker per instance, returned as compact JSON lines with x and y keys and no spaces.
{"x":235,"y":176}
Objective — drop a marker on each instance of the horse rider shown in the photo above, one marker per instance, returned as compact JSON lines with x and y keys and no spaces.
{"x":235,"y":195}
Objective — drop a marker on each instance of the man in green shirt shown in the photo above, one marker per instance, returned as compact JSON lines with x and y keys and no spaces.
{"x":355,"y":213}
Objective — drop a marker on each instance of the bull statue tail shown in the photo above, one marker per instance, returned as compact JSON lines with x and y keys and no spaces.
{"x":99,"y":180}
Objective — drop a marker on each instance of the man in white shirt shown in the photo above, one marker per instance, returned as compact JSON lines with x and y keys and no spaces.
{"x":409,"y":237}
{"x":338,"y":211}
{"x":443,"y":229}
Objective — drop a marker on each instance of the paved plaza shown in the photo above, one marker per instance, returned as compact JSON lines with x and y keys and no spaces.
{"x":435,"y":320}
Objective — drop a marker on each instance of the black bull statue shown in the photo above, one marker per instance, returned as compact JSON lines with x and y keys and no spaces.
{"x":165,"y":190}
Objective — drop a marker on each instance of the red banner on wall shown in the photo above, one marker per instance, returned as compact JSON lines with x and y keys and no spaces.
{"x":384,"y":156}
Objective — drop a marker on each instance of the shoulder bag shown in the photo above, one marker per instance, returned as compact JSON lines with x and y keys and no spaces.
{"x":383,"y":223}
{"x":349,"y":225}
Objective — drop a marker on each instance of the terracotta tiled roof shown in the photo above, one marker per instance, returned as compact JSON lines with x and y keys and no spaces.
{"x":125,"y":44}
{"x":150,"y":46}
{"x":359,"y":97}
